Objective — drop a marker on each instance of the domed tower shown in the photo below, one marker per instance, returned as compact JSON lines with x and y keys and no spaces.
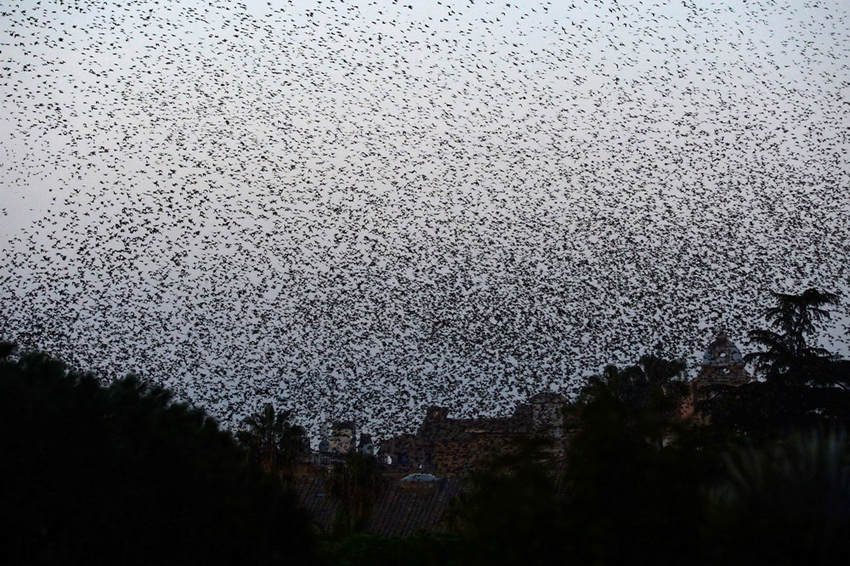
{"x":343,"y":437}
{"x":722,"y":364}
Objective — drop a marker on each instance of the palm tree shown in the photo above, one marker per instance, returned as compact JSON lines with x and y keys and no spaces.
{"x":354,"y":484}
{"x":291,"y":446}
{"x":273,"y":440}
{"x":263,"y":430}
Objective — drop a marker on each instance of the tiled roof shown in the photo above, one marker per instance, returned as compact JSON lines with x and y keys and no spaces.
{"x":398,"y":511}
{"x":315,"y":499}
{"x":402,"y":511}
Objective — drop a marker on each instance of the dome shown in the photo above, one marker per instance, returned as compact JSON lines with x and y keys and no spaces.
{"x":419,"y":477}
{"x":722,"y":352}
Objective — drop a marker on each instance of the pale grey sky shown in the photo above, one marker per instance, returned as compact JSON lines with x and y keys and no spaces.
{"x":449,"y":202}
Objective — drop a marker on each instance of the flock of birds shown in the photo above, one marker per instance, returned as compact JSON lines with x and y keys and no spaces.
{"x":358,"y":209}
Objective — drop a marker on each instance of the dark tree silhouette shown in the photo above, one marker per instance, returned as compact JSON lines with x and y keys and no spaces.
{"x":6,"y":349}
{"x":355,"y":484}
{"x":648,"y":394}
{"x":623,"y":497}
{"x":786,"y":353}
{"x":803,"y":386}
{"x":785,"y":503}
{"x":273,"y":441}
{"x":631,"y":497}
{"x":511,"y":513}
{"x":123,"y":474}
{"x":420,"y":549}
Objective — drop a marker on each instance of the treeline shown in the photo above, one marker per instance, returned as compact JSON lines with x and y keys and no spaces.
{"x":124,"y":474}
{"x":761,"y":477}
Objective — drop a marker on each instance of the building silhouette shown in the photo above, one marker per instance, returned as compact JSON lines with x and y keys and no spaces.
{"x":722,"y":367}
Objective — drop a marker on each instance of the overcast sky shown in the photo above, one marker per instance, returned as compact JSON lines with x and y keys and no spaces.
{"x":360,"y":208}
